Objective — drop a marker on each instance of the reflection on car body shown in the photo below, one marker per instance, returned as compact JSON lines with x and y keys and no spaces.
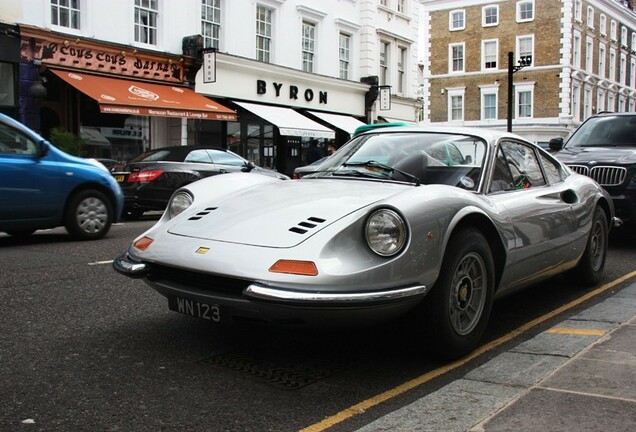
{"x":431,"y":223}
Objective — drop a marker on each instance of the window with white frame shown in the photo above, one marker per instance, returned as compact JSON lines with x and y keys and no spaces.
{"x":602,"y":25}
{"x":576,"y":101}
{"x":490,"y":15}
{"x":456,"y":104}
{"x":524,"y":96}
{"x":624,"y":36}
{"x":589,"y":53}
{"x":490,"y":54}
{"x":66,"y":13}
{"x":211,"y":23}
{"x":632,"y":105}
{"x":263,"y":33}
{"x":633,"y":41}
{"x":456,"y":57}
{"x":401,"y":67}
{"x":401,"y":6}
{"x":578,"y":10}
{"x":622,"y":104}
{"x":384,"y":63}
{"x":383,"y":2}
{"x":587,"y":102}
{"x":602,"y":54}
{"x":457,"y":20}
{"x":576,"y":49}
{"x":611,"y":101}
{"x":525,"y":47}
{"x":344,"y":55}
{"x":600,"y":100}
{"x":590,"y":17}
{"x":613,"y":30}
{"x":612,"y":64}
{"x":632,"y":72}
{"x":308,"y":45}
{"x":146,"y":14}
{"x":622,"y":69}
{"x":488,"y":104}
{"x":525,"y":10}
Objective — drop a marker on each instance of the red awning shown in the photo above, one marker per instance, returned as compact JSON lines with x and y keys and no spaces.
{"x":122,"y":96}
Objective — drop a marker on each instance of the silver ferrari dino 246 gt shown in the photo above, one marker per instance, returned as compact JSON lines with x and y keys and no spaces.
{"x":437,"y":222}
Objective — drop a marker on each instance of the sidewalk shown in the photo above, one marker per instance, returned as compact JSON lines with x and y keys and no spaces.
{"x":577,"y":376}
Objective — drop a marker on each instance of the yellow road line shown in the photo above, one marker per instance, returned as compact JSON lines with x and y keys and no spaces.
{"x":576,"y":331}
{"x":411,"y":384}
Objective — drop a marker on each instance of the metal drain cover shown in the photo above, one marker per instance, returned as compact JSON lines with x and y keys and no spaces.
{"x":288,"y":372}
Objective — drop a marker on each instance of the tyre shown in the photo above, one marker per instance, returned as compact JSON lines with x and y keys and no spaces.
{"x":459,"y":305}
{"x":89,"y":215}
{"x":589,"y":270}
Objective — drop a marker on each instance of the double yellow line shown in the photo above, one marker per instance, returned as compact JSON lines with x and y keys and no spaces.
{"x":361,"y":407}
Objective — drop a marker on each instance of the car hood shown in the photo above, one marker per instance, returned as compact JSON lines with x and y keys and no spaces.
{"x":280,"y":214}
{"x":599,"y":155}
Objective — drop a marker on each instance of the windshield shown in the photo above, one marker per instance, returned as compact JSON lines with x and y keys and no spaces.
{"x":605,"y":131}
{"x":419,"y":158}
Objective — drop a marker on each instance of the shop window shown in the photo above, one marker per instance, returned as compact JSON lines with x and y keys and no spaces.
{"x":254,"y":143}
{"x":7,"y":84}
{"x":233,"y":137}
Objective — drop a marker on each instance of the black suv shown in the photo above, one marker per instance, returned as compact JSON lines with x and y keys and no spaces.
{"x":149,"y":180}
{"x":604,"y":148}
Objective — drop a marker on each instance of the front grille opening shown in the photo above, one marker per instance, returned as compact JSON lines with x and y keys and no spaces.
{"x":198,"y":280}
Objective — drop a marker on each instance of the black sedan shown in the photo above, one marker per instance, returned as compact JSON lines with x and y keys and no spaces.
{"x":604,"y":148}
{"x":149,"y":180}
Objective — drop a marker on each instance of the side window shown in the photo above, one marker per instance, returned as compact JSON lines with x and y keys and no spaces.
{"x":224,"y":158}
{"x":13,"y":142}
{"x":199,"y":156}
{"x":501,"y":177}
{"x":552,"y":169}
{"x":523,"y":165}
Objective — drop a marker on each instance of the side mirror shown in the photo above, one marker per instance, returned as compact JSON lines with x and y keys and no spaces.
{"x":42,"y":149}
{"x":556,"y":144}
{"x":249,"y":166}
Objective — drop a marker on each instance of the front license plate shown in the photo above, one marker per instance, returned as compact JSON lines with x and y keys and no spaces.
{"x":196,"y":309}
{"x":119,"y":178}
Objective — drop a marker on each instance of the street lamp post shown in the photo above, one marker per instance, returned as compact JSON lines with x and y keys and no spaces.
{"x":523,"y":62}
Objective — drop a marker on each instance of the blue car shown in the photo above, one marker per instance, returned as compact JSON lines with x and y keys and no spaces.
{"x":43,"y":187}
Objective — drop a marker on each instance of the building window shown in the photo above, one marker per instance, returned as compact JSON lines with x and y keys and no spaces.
{"x":489,"y":106}
{"x":602,"y":53}
{"x":590,"y":17}
{"x":524,"y":97}
{"x":612,"y":64}
{"x":7,"y":84}
{"x":384,"y":63}
{"x":600,"y":100}
{"x":400,"y":69}
{"x":634,"y":41}
{"x":525,"y":47}
{"x":624,"y":36}
{"x":401,"y":6}
{"x":578,"y":10}
{"x":587,"y":103}
{"x":611,"y":102}
{"x":602,"y":26}
{"x":211,"y":22}
{"x":622,"y":69}
{"x":457,"y":20}
{"x":632,"y":72}
{"x":576,"y":97}
{"x":263,"y":34}
{"x":383,"y":3}
{"x":146,"y":12}
{"x":490,"y":15}
{"x":309,"y":41}
{"x":65,"y":13}
{"x":589,"y":53}
{"x":613,"y":30}
{"x":456,"y":105}
{"x":576,"y":49}
{"x":490,"y":52}
{"x":525,"y":10}
{"x":344,"y":54}
{"x":456,"y":57}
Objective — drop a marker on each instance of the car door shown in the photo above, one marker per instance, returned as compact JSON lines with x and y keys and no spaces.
{"x":29,"y":185}
{"x":199,"y":161}
{"x":227,"y":162}
{"x":540,"y":211}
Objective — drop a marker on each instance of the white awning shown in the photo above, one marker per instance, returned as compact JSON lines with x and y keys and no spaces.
{"x":288,"y":121}
{"x":93,"y":136}
{"x":346,"y":123}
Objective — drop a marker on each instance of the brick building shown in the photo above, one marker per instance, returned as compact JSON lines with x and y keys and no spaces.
{"x":581,"y":54}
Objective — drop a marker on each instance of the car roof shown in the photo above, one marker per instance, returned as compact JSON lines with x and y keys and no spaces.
{"x":489,"y":135}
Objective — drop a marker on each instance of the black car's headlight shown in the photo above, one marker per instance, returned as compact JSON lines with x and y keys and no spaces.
{"x":385,"y":232}
{"x":179,"y":202}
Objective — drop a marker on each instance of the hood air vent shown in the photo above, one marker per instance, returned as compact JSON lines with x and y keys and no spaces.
{"x":205,"y":212}
{"x":306,"y":225}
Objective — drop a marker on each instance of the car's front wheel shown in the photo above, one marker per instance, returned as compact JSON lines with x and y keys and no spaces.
{"x":459,"y":304}
{"x":589,"y":270}
{"x":89,"y":215}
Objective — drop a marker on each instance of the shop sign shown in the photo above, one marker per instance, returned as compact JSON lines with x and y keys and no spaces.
{"x":292,"y":91}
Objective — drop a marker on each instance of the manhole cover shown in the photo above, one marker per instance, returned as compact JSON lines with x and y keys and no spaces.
{"x":288,"y":373}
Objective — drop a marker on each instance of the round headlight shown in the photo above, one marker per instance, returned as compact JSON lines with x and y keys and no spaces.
{"x":178,"y":203}
{"x":385,"y":232}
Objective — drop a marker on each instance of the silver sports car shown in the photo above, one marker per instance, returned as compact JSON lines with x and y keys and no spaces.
{"x":437,"y":222}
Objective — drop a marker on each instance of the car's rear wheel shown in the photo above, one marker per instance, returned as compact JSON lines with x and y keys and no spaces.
{"x":459,"y":304}
{"x":590,"y":268}
{"x":89,"y":215}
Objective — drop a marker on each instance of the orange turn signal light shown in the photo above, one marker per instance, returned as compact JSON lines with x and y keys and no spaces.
{"x":143,"y":243}
{"x":303,"y":268}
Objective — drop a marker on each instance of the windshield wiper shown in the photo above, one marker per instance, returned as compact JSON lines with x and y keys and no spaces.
{"x":375,"y":164}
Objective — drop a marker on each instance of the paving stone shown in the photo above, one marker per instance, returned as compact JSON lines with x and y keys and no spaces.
{"x":513,"y":368}
{"x":618,"y":310}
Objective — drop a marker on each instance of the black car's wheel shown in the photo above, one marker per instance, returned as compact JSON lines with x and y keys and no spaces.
{"x":460,"y":302}
{"x":89,"y":215}
{"x":133,"y":214}
{"x":590,"y":268}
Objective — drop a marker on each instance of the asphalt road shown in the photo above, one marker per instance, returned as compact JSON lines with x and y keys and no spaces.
{"x":84,"y":348}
